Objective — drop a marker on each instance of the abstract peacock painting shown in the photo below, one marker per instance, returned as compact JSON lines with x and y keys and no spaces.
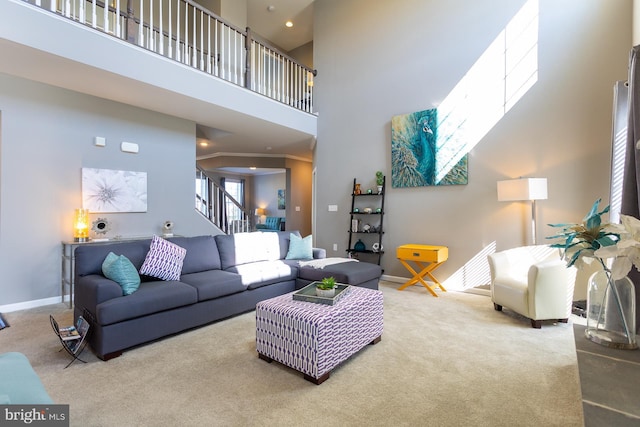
{"x":421,"y":156}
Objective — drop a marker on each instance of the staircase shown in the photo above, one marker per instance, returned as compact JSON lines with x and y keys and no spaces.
{"x":219,"y":207}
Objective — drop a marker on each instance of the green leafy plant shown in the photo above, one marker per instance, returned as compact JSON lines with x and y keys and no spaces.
{"x":327,"y":283}
{"x":581,"y":241}
{"x":379,"y":178}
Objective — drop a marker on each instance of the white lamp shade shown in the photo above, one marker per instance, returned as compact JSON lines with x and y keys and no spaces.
{"x":259,"y":211}
{"x":522,"y":189}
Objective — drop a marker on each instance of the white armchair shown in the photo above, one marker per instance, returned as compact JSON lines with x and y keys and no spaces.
{"x":532,"y":281}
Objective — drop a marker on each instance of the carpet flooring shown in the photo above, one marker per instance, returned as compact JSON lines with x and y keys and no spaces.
{"x":446,"y":361}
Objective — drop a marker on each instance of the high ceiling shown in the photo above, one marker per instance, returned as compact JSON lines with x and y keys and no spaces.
{"x":267,"y":18}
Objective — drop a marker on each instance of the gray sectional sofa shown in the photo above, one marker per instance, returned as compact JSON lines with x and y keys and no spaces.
{"x":221,"y":276}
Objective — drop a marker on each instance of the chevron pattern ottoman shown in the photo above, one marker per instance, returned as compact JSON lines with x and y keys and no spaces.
{"x":315,"y":338}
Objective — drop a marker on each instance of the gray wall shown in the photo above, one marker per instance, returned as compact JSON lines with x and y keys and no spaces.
{"x":266,"y":192}
{"x":381,"y":59}
{"x":46,"y":139}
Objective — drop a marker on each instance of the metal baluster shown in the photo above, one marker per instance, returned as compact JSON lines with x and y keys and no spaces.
{"x":209,"y":44}
{"x":194,"y":60}
{"x":201,"y":41}
{"x":161,"y":26}
{"x":118,"y":29}
{"x":105,"y":16}
{"x":170,"y":40}
{"x":185,"y":53}
{"x":140,"y":27}
{"x":150,"y":35}
{"x":178,"y":32}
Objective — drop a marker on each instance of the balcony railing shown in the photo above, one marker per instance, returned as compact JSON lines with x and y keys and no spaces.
{"x":188,"y":33}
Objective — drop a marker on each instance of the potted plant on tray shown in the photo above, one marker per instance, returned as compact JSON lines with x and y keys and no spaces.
{"x":326,"y":287}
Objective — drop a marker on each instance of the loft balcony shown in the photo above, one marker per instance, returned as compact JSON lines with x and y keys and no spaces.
{"x":178,"y":59}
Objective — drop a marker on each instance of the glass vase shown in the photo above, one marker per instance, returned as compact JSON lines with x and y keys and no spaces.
{"x":611,"y":311}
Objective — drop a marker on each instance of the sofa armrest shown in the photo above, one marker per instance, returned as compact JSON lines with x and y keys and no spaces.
{"x":94,"y":289}
{"x":319,"y":253}
{"x":551,"y":282}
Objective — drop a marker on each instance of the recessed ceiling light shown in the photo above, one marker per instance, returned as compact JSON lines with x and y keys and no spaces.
{"x":271,"y":8}
{"x":204,"y":144}
{"x":288,"y":24}
{"x":252,"y":168}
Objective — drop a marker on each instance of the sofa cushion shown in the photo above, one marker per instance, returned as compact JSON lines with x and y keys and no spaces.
{"x":202,"y":253}
{"x":89,"y":258}
{"x":119,"y":269}
{"x":283,"y":242}
{"x":349,"y":272}
{"x":300,"y":248}
{"x":241,"y":248}
{"x":164,"y":260}
{"x":151,"y":297}
{"x":214,"y":283}
{"x":257,"y":274}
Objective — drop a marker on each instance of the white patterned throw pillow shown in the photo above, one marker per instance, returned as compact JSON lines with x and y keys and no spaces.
{"x":164,"y":260}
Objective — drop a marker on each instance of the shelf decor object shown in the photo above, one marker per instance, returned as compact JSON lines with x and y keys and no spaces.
{"x":369,"y":230}
{"x":167,"y":229}
{"x":81,"y":225}
{"x":100,"y":226}
{"x":524,"y":189}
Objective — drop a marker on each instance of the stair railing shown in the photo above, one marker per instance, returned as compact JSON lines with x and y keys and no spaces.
{"x":219,"y":207}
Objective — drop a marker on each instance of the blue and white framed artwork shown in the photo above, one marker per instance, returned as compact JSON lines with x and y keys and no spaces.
{"x":421,"y":155}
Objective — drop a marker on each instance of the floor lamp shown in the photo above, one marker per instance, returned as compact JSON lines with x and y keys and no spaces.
{"x":530,"y":189}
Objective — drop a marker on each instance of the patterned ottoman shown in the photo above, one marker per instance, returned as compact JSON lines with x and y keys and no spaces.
{"x":315,"y":338}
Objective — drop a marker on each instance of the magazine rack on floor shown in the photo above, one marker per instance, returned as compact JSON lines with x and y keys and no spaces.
{"x":76,"y":346}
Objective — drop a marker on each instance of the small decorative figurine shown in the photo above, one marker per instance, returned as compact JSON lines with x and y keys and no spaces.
{"x":357,"y":190}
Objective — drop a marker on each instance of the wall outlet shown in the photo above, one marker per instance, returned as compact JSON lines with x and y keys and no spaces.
{"x":333,"y":208}
{"x":335,"y":246}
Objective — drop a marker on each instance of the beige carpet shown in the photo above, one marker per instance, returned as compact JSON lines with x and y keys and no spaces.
{"x":447,"y":361}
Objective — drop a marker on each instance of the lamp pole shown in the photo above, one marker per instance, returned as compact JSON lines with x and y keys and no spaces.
{"x":533,"y":221}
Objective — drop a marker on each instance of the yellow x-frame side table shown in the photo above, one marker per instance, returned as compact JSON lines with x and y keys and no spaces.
{"x":421,"y":254}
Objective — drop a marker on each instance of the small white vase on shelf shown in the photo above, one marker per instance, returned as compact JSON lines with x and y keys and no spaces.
{"x":611,"y":311}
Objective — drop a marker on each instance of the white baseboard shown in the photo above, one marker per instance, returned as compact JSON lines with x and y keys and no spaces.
{"x":398,"y":279}
{"x":8,"y":308}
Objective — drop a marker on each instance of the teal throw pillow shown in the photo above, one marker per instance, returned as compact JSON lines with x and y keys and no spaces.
{"x":121,"y":270}
{"x":300,"y":248}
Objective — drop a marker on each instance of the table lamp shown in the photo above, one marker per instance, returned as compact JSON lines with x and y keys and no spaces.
{"x":81,"y":225}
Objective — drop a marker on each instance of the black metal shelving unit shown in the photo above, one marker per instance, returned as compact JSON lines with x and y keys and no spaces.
{"x":369,"y":227}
